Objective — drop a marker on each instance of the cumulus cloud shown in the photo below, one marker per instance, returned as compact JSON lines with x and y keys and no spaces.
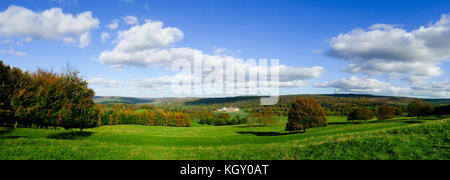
{"x":114,"y":24}
{"x":104,"y":36}
{"x":11,"y":51}
{"x":102,"y":82}
{"x":85,"y":39}
{"x":388,"y":49}
{"x":361,"y":85}
{"x":151,"y":45}
{"x":150,"y":35}
{"x":131,"y":20}
{"x":51,"y":24}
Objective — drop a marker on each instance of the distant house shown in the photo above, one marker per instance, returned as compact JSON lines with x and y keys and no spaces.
{"x":228,"y":109}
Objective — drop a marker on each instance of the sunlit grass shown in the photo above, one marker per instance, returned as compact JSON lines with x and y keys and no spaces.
{"x":400,"y":138}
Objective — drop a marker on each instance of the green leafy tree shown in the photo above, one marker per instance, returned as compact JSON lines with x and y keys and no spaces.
{"x":362,"y":113}
{"x":78,"y":109}
{"x":306,"y":113}
{"x":6,"y":90}
{"x":419,"y":109}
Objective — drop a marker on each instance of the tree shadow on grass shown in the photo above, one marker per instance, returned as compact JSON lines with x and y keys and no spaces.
{"x":340,"y":123}
{"x":71,"y":135}
{"x":413,"y":121}
{"x":11,"y":137}
{"x":249,"y":126}
{"x":6,"y":131}
{"x":269,"y":133}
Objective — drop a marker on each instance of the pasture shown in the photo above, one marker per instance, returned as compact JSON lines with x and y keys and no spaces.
{"x":400,"y":138}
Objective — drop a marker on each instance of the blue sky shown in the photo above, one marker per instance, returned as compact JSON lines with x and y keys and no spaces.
{"x":302,"y":34}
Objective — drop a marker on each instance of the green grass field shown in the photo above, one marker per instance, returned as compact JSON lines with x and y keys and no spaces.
{"x":401,"y":138}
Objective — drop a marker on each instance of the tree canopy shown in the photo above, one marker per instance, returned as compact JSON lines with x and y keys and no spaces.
{"x":306,"y":113}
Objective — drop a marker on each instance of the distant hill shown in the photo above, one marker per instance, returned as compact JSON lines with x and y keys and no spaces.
{"x":248,"y":99}
{"x":135,"y":100}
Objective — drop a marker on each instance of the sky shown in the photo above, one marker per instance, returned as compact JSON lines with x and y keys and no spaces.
{"x":127,"y":47}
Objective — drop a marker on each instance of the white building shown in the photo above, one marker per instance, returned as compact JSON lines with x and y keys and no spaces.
{"x":228,"y":109}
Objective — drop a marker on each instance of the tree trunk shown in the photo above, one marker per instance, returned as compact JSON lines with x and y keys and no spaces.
{"x":81,"y":130}
{"x":15,"y":125}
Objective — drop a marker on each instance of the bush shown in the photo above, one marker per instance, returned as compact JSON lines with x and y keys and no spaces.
{"x":219,"y":122}
{"x":306,"y":113}
{"x":243,"y":120}
{"x":211,"y":121}
{"x":203,"y":121}
{"x":234,"y":121}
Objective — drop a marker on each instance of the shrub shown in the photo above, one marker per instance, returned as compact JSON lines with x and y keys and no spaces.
{"x":306,"y":113}
{"x":203,"y":121}
{"x":234,"y":121}
{"x":211,"y":121}
{"x":243,"y":120}
{"x":219,"y":122}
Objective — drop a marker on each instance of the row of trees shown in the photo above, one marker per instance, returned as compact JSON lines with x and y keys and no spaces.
{"x":363,"y":113}
{"x":156,"y":117}
{"x":417,"y":108}
{"x":222,"y":119}
{"x":46,"y":99}
{"x":307,"y":113}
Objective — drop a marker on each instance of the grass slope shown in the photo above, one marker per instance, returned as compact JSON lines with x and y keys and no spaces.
{"x":401,"y":138}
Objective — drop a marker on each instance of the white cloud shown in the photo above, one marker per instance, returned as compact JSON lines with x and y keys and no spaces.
{"x":11,"y":51}
{"x":85,"y":39}
{"x":51,"y":24}
{"x":150,"y":35}
{"x":150,"y":45}
{"x":102,"y":82}
{"x":131,"y":20}
{"x":114,"y":24}
{"x":220,"y":51}
{"x":388,"y":49}
{"x":372,"y":86}
{"x":104,"y":37}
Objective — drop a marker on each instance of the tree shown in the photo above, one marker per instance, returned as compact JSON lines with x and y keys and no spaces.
{"x":6,"y":90}
{"x":234,"y":121}
{"x":78,"y":105}
{"x":442,"y":110}
{"x":203,"y":120}
{"x":306,"y":113}
{"x":385,"y":112}
{"x":243,"y":120}
{"x":221,"y":119}
{"x":361,"y":113}
{"x":419,"y":108}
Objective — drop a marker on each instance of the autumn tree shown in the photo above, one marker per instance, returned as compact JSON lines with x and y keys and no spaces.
{"x":385,"y":112}
{"x":306,"y":113}
{"x":6,"y":91}
{"x":362,"y":113}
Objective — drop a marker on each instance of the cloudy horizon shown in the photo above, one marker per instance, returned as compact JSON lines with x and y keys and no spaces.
{"x":322,"y":47}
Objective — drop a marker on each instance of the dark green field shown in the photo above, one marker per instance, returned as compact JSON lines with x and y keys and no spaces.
{"x":401,"y":138}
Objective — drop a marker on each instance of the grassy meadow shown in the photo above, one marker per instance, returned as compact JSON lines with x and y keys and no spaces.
{"x":400,"y":138}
